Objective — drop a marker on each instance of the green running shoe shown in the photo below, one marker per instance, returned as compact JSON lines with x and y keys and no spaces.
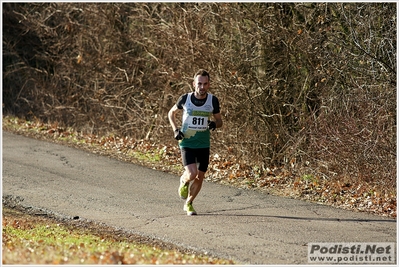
{"x":188,"y":207}
{"x":183,"y":190}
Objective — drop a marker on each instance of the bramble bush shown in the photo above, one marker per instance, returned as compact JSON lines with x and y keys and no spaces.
{"x":307,"y":86}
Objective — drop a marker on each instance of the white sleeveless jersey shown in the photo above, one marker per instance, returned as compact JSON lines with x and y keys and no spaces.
{"x":195,"y":123}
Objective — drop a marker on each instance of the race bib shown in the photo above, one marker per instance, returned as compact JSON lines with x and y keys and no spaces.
{"x":197,"y":123}
{"x":198,"y":120}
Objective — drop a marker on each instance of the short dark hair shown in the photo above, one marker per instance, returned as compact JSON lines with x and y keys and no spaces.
{"x":202,"y":72}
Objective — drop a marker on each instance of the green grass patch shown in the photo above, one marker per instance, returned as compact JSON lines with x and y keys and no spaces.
{"x":33,"y":240}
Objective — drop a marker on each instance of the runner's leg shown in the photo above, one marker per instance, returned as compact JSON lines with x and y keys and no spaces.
{"x":189,"y":163}
{"x":190,"y":172}
{"x":195,"y":187}
{"x":202,"y":156}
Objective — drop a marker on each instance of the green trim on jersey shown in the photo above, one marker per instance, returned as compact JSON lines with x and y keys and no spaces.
{"x":196,"y":140}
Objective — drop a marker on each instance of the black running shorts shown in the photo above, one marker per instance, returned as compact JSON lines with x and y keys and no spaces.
{"x":196,"y":155}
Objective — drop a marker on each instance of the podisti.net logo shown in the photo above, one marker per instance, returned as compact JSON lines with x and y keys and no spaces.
{"x":332,"y":253}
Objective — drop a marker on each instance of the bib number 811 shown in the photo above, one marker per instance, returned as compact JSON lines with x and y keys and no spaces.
{"x":198,"y":121}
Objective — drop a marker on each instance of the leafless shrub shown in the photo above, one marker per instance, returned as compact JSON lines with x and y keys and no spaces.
{"x":306,"y":85}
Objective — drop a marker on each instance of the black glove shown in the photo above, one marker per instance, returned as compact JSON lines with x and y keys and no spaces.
{"x":211,"y":125}
{"x":178,"y":134}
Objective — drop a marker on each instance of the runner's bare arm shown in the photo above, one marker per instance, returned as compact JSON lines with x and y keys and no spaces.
{"x":172,"y":117}
{"x":218,"y":120}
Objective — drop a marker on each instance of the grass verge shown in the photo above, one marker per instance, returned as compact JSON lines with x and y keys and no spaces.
{"x":29,"y":239}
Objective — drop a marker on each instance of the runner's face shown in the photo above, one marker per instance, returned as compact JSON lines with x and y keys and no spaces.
{"x":201,"y":85}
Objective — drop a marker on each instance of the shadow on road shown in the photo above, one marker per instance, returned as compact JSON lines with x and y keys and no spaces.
{"x":218,"y":213}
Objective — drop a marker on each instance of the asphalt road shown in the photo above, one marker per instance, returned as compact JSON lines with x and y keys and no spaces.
{"x":243,"y":225}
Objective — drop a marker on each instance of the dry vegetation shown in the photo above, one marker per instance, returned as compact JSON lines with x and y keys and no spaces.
{"x":308,"y":90}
